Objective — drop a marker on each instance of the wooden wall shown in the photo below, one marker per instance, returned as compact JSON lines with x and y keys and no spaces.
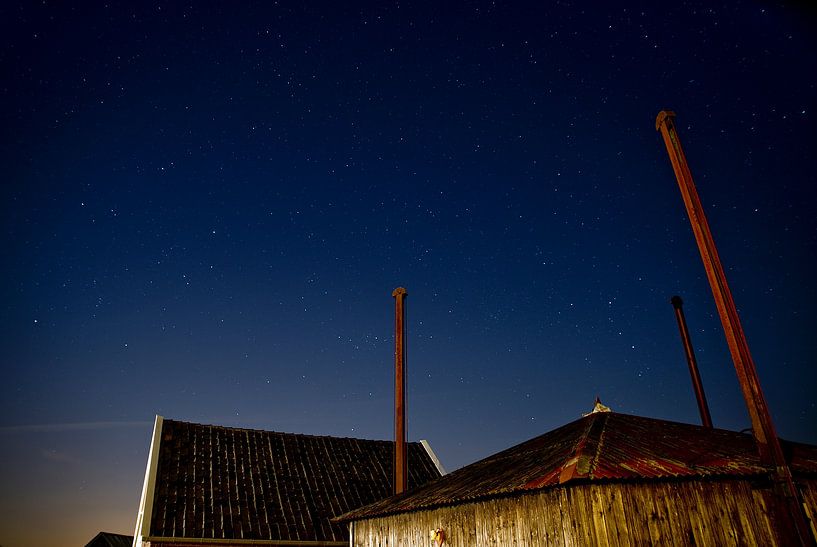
{"x":670,"y":513}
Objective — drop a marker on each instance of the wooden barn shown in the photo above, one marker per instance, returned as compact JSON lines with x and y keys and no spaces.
{"x":212,"y":485}
{"x":605,"y":479}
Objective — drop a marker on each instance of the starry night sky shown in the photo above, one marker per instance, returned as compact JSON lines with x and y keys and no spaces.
{"x":205,"y":210}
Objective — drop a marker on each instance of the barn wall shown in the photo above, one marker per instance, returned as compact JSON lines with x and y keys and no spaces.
{"x":677,"y":513}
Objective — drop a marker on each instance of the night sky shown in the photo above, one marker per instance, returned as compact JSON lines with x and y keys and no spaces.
{"x":205,"y":210}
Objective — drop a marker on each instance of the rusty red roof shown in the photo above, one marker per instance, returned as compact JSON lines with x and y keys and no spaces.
{"x":603,"y":446}
{"x":225,"y":483}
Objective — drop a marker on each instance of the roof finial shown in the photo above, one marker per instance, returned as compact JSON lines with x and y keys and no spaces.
{"x":598,"y":407}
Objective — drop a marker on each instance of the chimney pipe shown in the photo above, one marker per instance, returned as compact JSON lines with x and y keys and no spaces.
{"x":697,"y":385}
{"x":400,"y":466}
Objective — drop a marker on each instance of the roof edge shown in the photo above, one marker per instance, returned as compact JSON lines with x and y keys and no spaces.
{"x":145,"y":514}
{"x":433,"y":456}
{"x":233,"y":541}
{"x":310,"y":435}
{"x":355,"y":516}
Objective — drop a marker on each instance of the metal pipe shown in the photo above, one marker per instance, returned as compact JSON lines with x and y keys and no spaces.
{"x":400,"y":464}
{"x":768,"y":444}
{"x":697,"y":385}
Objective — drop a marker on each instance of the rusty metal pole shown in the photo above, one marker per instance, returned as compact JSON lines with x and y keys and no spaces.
{"x":686,"y":339}
{"x":768,"y":444}
{"x":400,"y":464}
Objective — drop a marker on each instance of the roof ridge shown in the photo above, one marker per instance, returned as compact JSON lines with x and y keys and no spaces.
{"x":586,"y":450}
{"x":251,"y":429}
{"x":599,"y":444}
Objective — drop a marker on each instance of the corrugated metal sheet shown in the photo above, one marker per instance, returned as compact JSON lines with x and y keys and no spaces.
{"x":226,"y":483}
{"x":598,"y":447}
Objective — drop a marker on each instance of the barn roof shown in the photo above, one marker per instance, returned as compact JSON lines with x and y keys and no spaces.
{"x":225,"y":483}
{"x":602,"y":446}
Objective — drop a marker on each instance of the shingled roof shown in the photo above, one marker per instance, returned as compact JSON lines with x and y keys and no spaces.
{"x":603,"y":446}
{"x":206,"y":481}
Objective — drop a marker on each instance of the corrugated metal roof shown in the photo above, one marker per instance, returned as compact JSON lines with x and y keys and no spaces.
{"x":226,"y":483}
{"x":600,"y":446}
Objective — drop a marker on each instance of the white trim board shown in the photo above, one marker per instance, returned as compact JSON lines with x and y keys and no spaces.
{"x":143,"y":518}
{"x":433,"y":457}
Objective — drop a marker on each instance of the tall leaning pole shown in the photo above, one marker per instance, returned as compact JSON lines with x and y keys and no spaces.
{"x":791,"y":522}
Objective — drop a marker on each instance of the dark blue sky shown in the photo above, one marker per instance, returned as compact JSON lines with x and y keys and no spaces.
{"x":205,"y":210}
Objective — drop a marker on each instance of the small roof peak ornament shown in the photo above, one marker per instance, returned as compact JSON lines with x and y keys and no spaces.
{"x":598,"y":407}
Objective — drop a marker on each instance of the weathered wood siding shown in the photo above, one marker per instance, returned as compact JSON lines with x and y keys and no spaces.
{"x":670,"y":513}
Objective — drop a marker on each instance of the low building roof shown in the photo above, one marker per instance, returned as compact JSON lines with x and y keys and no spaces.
{"x":226,"y":483}
{"x":109,"y":539}
{"x":603,"y":446}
